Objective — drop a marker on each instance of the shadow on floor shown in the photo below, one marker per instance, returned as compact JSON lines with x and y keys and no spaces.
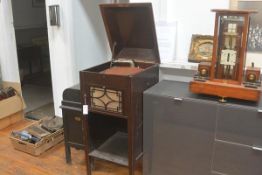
{"x":41,"y":112}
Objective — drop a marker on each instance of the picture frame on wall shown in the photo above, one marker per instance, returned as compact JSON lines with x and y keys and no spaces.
{"x":201,"y":48}
{"x":255,"y":30}
{"x":38,"y":3}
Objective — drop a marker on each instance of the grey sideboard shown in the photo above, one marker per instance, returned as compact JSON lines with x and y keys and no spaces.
{"x":189,"y":134}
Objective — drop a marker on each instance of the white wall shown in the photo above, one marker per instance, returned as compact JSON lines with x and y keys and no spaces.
{"x":62,"y":62}
{"x":27,"y":16}
{"x":78,"y":43}
{"x":191,"y":17}
{"x":254,"y":57}
{"x":8,"y":54}
{"x":89,"y":36}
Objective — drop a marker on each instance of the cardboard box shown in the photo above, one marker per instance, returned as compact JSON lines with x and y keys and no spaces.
{"x":11,"y":109}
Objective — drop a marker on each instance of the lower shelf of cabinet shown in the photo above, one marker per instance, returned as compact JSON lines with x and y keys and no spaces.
{"x":114,"y":149}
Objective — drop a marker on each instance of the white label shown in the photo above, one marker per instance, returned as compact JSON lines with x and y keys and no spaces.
{"x":85,"y":109}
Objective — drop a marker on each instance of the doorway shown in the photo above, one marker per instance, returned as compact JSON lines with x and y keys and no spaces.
{"x":30,"y":26}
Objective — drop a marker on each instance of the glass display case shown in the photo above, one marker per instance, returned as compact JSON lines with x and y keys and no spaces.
{"x":230,"y":36}
{"x":226,"y":77}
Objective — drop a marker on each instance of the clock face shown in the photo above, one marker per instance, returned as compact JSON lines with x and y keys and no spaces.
{"x":205,"y":50}
{"x":228,"y":57}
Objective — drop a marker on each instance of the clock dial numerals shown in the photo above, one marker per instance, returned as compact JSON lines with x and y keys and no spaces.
{"x":228,"y":57}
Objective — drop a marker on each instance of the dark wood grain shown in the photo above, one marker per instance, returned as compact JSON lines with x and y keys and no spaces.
{"x":130,"y":30}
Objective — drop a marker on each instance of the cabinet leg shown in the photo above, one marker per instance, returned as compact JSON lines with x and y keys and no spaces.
{"x":90,"y":165}
{"x":131,"y":169}
{"x":68,"y":154}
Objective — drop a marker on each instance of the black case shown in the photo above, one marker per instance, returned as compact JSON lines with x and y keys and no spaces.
{"x":73,"y":120}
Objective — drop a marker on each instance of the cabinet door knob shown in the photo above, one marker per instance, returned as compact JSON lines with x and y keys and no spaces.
{"x":178,"y":99}
{"x":78,"y":119}
{"x":256,"y":148}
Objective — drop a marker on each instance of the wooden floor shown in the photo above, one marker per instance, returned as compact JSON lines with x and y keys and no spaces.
{"x":52,"y":162}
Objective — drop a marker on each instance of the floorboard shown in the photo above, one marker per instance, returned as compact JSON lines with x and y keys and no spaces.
{"x":52,"y":162}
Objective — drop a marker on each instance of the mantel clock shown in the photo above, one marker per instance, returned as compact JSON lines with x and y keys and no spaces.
{"x":227,"y":68}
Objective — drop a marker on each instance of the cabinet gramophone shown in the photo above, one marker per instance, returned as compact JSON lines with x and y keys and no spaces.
{"x":113,"y":90}
{"x":225,"y":78}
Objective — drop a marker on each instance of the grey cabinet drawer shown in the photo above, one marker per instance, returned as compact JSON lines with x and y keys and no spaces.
{"x":234,"y":159}
{"x":183,"y":136}
{"x":186,"y":112}
{"x":239,"y":124}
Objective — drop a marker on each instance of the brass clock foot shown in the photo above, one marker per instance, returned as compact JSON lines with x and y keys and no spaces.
{"x":222,"y":100}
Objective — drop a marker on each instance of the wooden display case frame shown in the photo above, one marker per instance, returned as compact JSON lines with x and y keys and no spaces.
{"x":225,"y":88}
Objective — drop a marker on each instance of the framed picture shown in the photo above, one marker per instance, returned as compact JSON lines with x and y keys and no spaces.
{"x":255,"y":30}
{"x":201,"y":48}
{"x":38,"y":3}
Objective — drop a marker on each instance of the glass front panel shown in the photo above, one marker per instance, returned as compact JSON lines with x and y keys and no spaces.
{"x":230,"y":32}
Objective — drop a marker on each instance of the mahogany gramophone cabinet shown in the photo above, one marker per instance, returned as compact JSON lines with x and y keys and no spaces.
{"x":226,"y":77}
{"x":113,"y":91}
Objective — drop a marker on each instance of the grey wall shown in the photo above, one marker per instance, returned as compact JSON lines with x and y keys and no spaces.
{"x":29,"y":21}
{"x":25,"y":36}
{"x":27,"y":16}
